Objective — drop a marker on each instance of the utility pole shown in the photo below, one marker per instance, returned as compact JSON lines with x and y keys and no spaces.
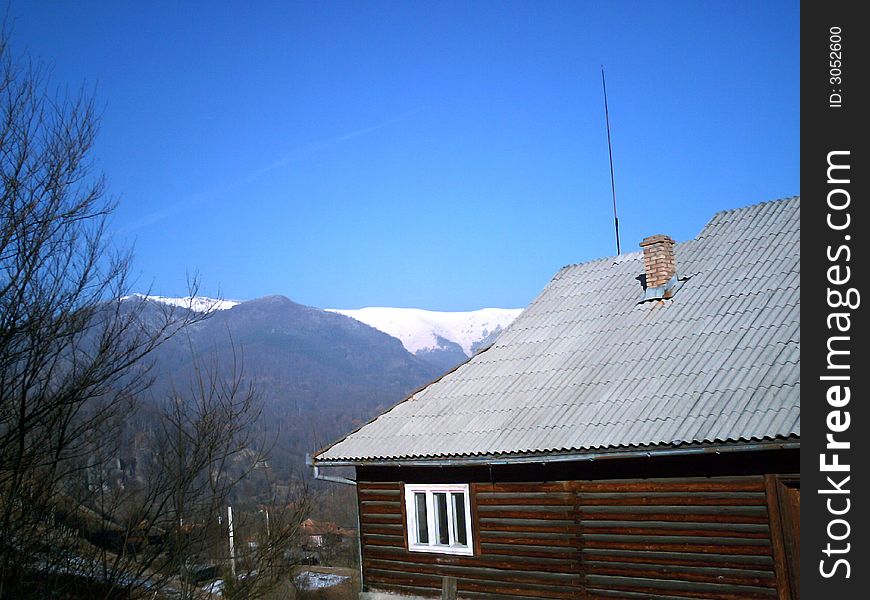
{"x":232,"y":546}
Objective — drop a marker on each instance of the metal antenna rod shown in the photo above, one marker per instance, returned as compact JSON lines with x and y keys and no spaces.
{"x":610,"y":152}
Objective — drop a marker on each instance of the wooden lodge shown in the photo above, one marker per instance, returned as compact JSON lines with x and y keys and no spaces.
{"x":635,"y":433}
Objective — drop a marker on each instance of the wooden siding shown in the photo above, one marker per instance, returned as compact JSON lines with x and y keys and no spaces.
{"x":525,"y":544}
{"x":676,"y":538}
{"x":659,"y":539}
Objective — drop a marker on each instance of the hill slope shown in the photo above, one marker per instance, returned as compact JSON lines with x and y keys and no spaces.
{"x":319,"y":374}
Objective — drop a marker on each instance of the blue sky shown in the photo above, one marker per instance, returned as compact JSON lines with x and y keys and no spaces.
{"x":441,"y":155}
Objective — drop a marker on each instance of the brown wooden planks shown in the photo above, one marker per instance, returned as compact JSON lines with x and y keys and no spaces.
{"x":468,"y":583}
{"x":515,"y":562}
{"x":525,"y":535}
{"x":674,"y":538}
{"x":751,"y":562}
{"x":678,"y":588}
{"x":477,"y":572}
{"x":702,"y":574}
{"x":693,"y":484}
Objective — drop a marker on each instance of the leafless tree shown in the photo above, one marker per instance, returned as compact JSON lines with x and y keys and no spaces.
{"x":167,"y":527}
{"x":74,"y":364}
{"x":202,"y":448}
{"x":70,"y":352}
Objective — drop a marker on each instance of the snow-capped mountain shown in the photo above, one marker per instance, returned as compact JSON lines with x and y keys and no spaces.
{"x":196,"y":303}
{"x":441,"y":338}
{"x":316,"y":374}
{"x":423,"y":331}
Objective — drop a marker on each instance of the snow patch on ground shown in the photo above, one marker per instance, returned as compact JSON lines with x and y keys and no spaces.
{"x":310,"y":580}
{"x":419,"y":329}
{"x":215,"y":588}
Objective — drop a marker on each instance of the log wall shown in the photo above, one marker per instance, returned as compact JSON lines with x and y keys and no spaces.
{"x":676,"y":538}
{"x":660,"y":539}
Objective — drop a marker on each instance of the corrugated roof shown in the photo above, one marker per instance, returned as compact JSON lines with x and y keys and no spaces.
{"x":588,"y":367}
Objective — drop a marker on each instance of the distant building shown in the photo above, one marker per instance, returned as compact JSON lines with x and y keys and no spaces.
{"x":635,"y":433}
{"x":317,"y":534}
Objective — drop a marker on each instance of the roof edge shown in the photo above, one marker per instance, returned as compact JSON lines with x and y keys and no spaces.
{"x":789,"y":443}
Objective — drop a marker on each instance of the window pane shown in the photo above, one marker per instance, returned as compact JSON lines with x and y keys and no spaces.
{"x":422,"y":520}
{"x":441,"y":517}
{"x":459,"y":519}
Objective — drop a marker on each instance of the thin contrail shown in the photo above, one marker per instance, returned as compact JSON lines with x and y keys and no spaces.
{"x":295,"y":155}
{"x":313,"y":147}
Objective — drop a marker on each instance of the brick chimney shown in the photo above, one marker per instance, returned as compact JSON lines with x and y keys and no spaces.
{"x":658,"y":260}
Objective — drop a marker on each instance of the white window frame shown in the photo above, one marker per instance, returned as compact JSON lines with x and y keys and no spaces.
{"x":430,"y":490}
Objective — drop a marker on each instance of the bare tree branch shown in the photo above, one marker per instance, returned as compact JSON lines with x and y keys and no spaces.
{"x":74,"y":367}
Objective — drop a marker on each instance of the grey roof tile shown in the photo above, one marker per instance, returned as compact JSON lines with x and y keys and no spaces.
{"x":587,"y":367}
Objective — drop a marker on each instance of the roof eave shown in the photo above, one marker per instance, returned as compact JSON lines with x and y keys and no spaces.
{"x":791,"y":443}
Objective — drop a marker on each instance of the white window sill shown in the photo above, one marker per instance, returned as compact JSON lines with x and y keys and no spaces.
{"x":458,"y":550}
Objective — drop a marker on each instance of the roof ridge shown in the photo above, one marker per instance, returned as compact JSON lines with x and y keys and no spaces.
{"x":755,"y":205}
{"x":749,"y":207}
{"x":619,"y":258}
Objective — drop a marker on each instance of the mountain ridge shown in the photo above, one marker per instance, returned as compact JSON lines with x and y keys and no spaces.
{"x":425,"y":330}
{"x":318,"y":373}
{"x":444,"y":338}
